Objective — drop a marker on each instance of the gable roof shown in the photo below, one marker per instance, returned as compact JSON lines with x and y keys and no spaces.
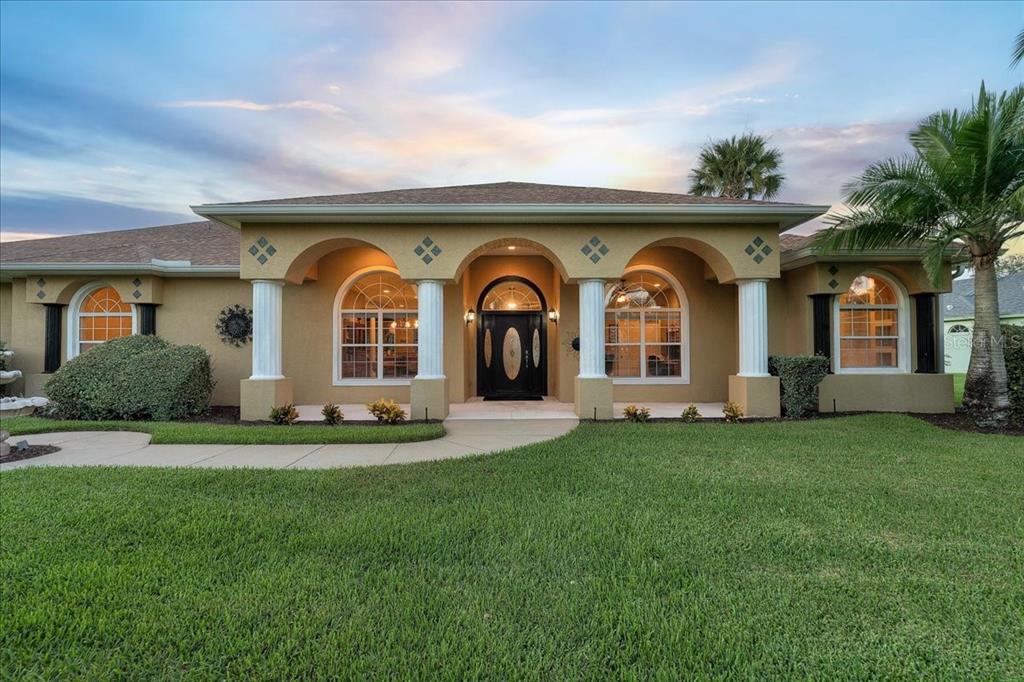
{"x":201,"y":243}
{"x":509,"y":193}
{"x":959,"y":303}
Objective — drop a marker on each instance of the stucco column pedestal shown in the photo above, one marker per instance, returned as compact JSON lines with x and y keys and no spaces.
{"x":594,"y":398}
{"x":259,"y":396}
{"x":428,"y":392}
{"x":758,"y":396}
{"x":428,"y":398}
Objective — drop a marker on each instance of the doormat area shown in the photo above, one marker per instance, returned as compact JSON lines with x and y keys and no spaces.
{"x":500,"y":398}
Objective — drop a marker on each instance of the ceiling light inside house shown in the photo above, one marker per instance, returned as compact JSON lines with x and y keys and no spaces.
{"x":511,"y":248}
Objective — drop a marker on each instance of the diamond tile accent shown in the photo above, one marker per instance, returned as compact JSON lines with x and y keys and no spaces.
{"x":136,"y":294}
{"x":833,"y":283}
{"x":136,"y":282}
{"x":427,"y":250}
{"x":40,"y":294}
{"x":758,"y":250}
{"x":262,"y":250}
{"x":594,"y":249}
{"x":833,"y":270}
{"x":40,"y":282}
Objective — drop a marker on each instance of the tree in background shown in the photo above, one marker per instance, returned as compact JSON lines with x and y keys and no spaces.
{"x":739,"y":168}
{"x":1008,"y":265}
{"x":961,"y":189}
{"x":1018,"y":49}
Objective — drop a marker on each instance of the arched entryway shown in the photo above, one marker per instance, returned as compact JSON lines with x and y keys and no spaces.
{"x":511,"y":341}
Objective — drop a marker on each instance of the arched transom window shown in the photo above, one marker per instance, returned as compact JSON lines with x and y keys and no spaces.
{"x":377,"y":329}
{"x":98,"y":314}
{"x":511,"y":295}
{"x":645,"y":330}
{"x":871,"y":325}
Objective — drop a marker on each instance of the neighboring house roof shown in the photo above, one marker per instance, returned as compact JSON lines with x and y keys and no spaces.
{"x":511,"y":193}
{"x":959,"y":303}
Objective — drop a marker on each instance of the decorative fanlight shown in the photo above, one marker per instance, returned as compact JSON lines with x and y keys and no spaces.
{"x":234,"y":325}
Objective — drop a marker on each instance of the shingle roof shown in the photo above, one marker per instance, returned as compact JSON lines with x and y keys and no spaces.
{"x":959,"y":303}
{"x":202,"y":243}
{"x":795,"y":242}
{"x":512,"y":193}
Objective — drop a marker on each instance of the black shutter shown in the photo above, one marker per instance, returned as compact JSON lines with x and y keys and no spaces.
{"x":927,"y":344}
{"x":822,"y":324}
{"x":51,"y":351}
{"x":147,"y":318}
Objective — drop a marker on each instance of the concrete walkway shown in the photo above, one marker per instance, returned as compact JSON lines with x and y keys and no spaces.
{"x":126,"y":448}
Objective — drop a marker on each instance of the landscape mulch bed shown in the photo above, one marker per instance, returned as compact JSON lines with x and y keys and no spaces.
{"x":28,"y":453}
{"x":961,"y":421}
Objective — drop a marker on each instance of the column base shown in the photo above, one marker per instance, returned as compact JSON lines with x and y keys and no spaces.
{"x":758,"y":396}
{"x":259,"y":396}
{"x":32,"y":385}
{"x":428,"y":399}
{"x":594,"y":398}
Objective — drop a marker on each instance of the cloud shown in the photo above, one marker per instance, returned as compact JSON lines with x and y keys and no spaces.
{"x":244,"y":105}
{"x":48,"y":215}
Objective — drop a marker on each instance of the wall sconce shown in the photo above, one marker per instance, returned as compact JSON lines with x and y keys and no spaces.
{"x":553,"y":315}
{"x":470,"y":316}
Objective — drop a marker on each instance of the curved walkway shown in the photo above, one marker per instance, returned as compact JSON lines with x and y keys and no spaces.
{"x":128,"y":448}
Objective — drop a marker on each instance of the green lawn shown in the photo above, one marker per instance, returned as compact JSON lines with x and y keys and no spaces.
{"x":178,"y":432}
{"x":861,"y":547}
{"x":958,"y":388}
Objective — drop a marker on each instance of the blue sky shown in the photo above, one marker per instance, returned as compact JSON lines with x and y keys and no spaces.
{"x":122,"y":114}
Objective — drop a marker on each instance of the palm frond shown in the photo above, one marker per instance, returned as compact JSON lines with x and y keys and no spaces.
{"x":1018,"y":49}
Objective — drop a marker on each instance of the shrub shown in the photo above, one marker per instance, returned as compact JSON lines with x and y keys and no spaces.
{"x":732,"y":411}
{"x":285,"y":414}
{"x":1013,"y":345}
{"x":636,"y":414}
{"x":134,"y":377}
{"x":799,"y":376}
{"x":332,"y":414}
{"x":690,"y":414}
{"x":387,"y":411}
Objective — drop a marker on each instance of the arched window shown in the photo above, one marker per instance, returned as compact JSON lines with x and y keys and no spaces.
{"x":645,"y":329}
{"x":511,"y":295}
{"x":959,"y":329}
{"x":376,"y":329}
{"x":872,"y":326}
{"x":97,"y":314}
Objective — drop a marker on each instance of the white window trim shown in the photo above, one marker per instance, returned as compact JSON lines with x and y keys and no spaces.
{"x":684,"y":331}
{"x":336,"y":312}
{"x":74,"y":311}
{"x":903,"y":328}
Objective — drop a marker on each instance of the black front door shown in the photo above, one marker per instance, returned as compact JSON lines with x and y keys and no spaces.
{"x":511,"y":348}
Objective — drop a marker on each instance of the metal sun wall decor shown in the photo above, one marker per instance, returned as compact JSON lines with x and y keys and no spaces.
{"x":234,"y":325}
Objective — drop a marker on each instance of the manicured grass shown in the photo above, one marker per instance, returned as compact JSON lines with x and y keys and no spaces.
{"x":178,"y":432}
{"x":958,"y":388}
{"x":874,"y":546}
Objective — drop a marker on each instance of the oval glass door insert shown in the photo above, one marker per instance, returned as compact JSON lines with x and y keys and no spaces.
{"x":512,"y":353}
{"x":536,"y":348}
{"x":487,"y":348}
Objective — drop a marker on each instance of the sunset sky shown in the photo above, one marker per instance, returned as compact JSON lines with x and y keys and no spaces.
{"x":121,"y":115}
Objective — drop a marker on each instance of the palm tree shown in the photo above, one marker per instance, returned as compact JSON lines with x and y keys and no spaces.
{"x":961,"y":189}
{"x":738,"y":168}
{"x":1018,"y":49}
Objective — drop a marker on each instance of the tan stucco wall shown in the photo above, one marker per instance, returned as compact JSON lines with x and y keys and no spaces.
{"x":927,"y":393}
{"x":6,"y":295}
{"x":297,"y":247}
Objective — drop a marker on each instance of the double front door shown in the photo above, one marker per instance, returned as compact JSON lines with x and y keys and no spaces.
{"x":511,"y":349}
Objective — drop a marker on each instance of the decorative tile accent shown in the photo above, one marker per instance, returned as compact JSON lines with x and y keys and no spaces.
{"x":136,"y":282}
{"x":833,"y":283}
{"x":595,"y":249}
{"x":40,"y":282}
{"x":427,"y":250}
{"x":136,"y":294}
{"x":40,"y":294}
{"x":262,"y":250}
{"x":833,"y":270}
{"x":758,"y":250}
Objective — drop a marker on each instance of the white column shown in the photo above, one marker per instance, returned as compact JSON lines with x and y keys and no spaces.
{"x":266,"y":329}
{"x":430,"y":293}
{"x":753,"y":295}
{"x":592,"y":329}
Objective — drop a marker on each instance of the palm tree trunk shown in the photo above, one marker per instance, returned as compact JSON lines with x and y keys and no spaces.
{"x":985,"y":390}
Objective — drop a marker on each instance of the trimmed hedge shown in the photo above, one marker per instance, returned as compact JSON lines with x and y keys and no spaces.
{"x":1013,"y":349}
{"x":799,"y":376}
{"x":135,"y":378}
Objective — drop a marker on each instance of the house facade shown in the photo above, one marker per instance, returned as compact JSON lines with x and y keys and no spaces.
{"x":436,"y":296}
{"x":958,"y":316}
